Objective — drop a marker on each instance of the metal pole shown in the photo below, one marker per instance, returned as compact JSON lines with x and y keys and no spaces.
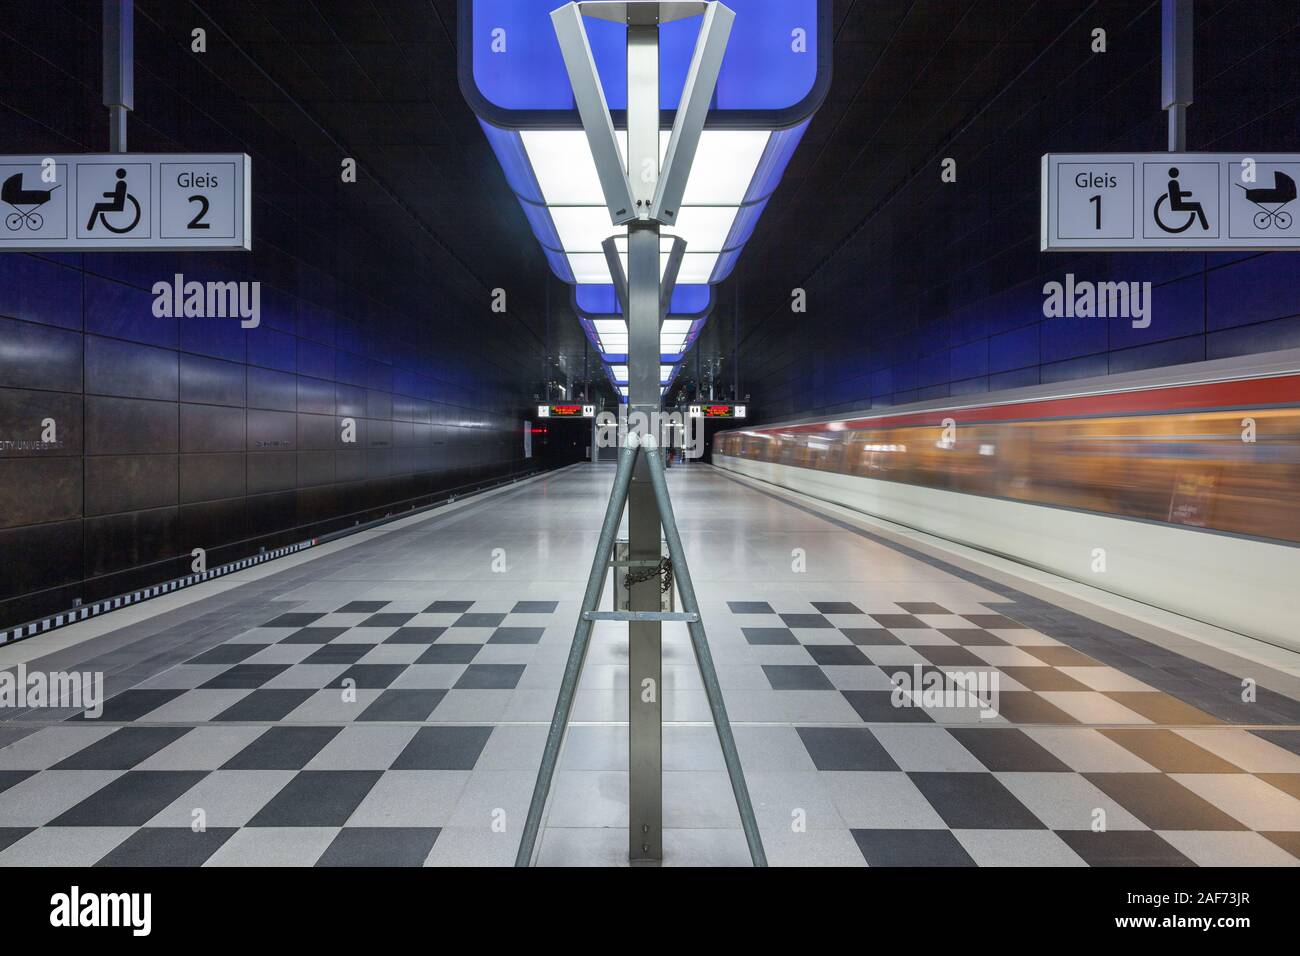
{"x":119,"y":69}
{"x":627,"y":457}
{"x":704,"y":658}
{"x":645,"y":678}
{"x":1177,"y":23}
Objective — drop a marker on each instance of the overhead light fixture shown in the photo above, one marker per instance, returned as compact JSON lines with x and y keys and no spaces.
{"x":775,"y":75}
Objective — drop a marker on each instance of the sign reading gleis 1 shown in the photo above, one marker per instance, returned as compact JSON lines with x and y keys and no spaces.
{"x":125,"y":201}
{"x":1170,"y":201}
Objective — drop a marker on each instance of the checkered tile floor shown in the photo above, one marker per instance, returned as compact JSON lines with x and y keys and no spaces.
{"x":344,"y":776}
{"x":1039,"y":782}
{"x":341,"y":716}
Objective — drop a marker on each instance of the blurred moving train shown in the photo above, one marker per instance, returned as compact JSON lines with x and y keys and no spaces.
{"x":1178,"y":487}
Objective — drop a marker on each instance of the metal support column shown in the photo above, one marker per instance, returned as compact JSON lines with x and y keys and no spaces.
{"x":642,"y":196}
{"x":1177,"y":22}
{"x":119,"y":69}
{"x":645,"y":668}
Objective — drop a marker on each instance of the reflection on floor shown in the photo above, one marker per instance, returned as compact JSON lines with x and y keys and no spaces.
{"x":387,"y":704}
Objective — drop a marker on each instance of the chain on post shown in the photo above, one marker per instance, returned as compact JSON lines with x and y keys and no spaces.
{"x":637,"y":575}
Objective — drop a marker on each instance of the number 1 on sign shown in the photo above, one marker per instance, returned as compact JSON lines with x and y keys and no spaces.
{"x":1096,"y":201}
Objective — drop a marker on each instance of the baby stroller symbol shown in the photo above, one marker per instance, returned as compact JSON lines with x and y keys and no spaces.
{"x":118,"y":198}
{"x":26,"y":202}
{"x":1283,"y":192}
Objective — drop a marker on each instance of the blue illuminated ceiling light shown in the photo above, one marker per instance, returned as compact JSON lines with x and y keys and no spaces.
{"x":774,"y":76}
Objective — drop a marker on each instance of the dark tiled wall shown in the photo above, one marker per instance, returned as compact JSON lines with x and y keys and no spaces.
{"x":939,"y":291}
{"x":175,"y":434}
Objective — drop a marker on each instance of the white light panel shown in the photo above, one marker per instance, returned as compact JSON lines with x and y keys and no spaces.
{"x":724,"y":167}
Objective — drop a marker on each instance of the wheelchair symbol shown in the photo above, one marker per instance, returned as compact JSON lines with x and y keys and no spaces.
{"x":118,"y":198}
{"x":1179,"y":201}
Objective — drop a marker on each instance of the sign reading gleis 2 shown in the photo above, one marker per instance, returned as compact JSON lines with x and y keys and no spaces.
{"x":125,"y":201}
{"x":1170,"y":201}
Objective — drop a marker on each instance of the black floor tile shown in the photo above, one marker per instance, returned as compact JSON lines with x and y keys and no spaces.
{"x":1288,"y":840}
{"x":369,"y":676}
{"x":448,"y":607}
{"x":974,"y":801}
{"x":260,"y":705}
{"x":805,"y":620}
{"x":1044,"y":678}
{"x":911,"y":848}
{"x":11,"y":835}
{"x":10,"y":777}
{"x":950,"y":656}
{"x":168,"y":846}
{"x":244,"y":676}
{"x":1161,"y":708}
{"x":415,"y":635}
{"x":1061,"y":656}
{"x":132,"y":799}
{"x":134,"y":704}
{"x":449,"y":654}
{"x":535,"y":607}
{"x":363,"y":607}
{"x":315,"y":635}
{"x":994,"y":622}
{"x":1026,"y":707}
{"x":1170,"y":752}
{"x":443,"y":748}
{"x":516,"y":635}
{"x":338,"y":654}
{"x":899,"y":622}
{"x":836,"y":655}
{"x":877,"y":706}
{"x":403,"y":705}
{"x":759,"y":636}
{"x":837,"y":607}
{"x":122,"y":749}
{"x":282,"y":748}
{"x":1122,"y":848}
{"x":490,"y":677}
{"x":317,"y":798}
{"x":845,"y":748}
{"x":226,"y":654}
{"x":923,"y":607}
{"x":972,"y":637}
{"x":386,"y":620}
{"x":294,"y":619}
{"x":480,"y":620}
{"x":870,"y":636}
{"x":750,"y":607}
{"x":1286,"y":739}
{"x":1161,"y":802}
{"x":380,"y":846}
{"x":797,"y":677}
{"x":1008,"y":749}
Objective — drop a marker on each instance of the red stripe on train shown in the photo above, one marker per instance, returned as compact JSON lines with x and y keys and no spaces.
{"x":1247,"y":393}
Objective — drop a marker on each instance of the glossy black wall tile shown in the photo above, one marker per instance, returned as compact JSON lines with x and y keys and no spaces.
{"x":170,"y":434}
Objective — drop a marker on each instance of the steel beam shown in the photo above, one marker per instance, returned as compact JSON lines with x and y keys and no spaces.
{"x":669,"y":281}
{"x":693,"y":108}
{"x":610,"y":248}
{"x":589,"y":96}
{"x":1177,"y":23}
{"x":119,"y":69}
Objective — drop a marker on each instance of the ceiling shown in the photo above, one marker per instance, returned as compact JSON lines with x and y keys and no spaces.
{"x":377,"y":80}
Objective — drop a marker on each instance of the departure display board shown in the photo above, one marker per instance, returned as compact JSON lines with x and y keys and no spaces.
{"x":566,"y":411}
{"x":717,"y":410}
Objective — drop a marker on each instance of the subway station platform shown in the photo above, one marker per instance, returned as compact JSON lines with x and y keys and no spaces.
{"x":383,"y":700}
